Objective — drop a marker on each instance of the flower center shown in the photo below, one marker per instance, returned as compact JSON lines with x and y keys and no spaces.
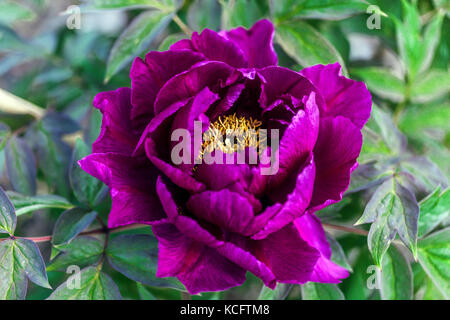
{"x":231,"y":134}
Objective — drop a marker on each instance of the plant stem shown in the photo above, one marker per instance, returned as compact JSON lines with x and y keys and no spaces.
{"x":182,"y":25}
{"x":346,"y":229}
{"x":137,"y":226}
{"x":90,"y":232}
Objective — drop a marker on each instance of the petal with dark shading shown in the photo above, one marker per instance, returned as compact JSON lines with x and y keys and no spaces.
{"x":189,"y":83}
{"x":296,"y":202}
{"x":155,"y":142}
{"x":149,"y":76}
{"x":223,"y":208}
{"x":343,"y":96}
{"x":216,"y":47}
{"x":337,"y":149}
{"x":116,"y":133}
{"x":297,"y":142}
{"x":290,"y":258}
{"x":234,"y":248}
{"x":256,"y":43}
{"x":311,"y":230}
{"x":132,"y":184}
{"x":279,"y":81}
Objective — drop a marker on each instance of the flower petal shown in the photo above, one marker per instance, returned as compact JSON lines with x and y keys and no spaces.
{"x":256,"y":43}
{"x":343,"y":96}
{"x":117,"y":134}
{"x":189,"y":83}
{"x":311,"y":230}
{"x":290,"y":258}
{"x":216,"y":47}
{"x":132,"y":184}
{"x":149,"y":76}
{"x":223,"y":208}
{"x":296,"y":202}
{"x":199,"y":267}
{"x":234,"y":248}
{"x":296,"y":144}
{"x":335,"y":153}
{"x":279,"y":81}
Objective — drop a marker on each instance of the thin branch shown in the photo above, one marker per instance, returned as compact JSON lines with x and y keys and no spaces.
{"x":182,"y":25}
{"x":85,"y":233}
{"x":346,"y":229}
{"x":137,"y":226}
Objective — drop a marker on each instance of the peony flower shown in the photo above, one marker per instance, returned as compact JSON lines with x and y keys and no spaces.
{"x":214,"y":222}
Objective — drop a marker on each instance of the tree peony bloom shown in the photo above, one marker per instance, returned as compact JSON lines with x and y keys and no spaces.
{"x":214,"y":222}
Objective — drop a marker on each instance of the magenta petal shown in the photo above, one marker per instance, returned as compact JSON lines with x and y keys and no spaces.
{"x":279,"y":81}
{"x":189,"y":83}
{"x":256,"y":43}
{"x":155,"y":141}
{"x":233,"y":249}
{"x":290,"y":258}
{"x":297,"y":142}
{"x":223,"y":208}
{"x":343,"y":96}
{"x":117,"y":129}
{"x":149,"y":76}
{"x":335,"y":153}
{"x":132,"y":184}
{"x":199,"y":267}
{"x":216,"y":47}
{"x":325,"y":271}
{"x":296,"y":203}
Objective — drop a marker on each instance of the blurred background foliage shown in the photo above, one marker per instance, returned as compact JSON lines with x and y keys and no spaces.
{"x":50,"y":73}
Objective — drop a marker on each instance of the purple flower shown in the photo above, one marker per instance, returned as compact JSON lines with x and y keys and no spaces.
{"x":215,"y":222}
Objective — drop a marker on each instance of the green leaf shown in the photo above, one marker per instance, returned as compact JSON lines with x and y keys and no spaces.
{"x":416,"y":51}
{"x":317,"y":9}
{"x":81,"y":251}
{"x":321,"y":291}
{"x":408,"y":38}
{"x":11,"y":12}
{"x":70,"y":223}
{"x":279,"y":293}
{"x":306,"y":45}
{"x":434,"y":257}
{"x":392,"y":137}
{"x":431,"y":37}
{"x":20,"y":260}
{"x":423,"y":173}
{"x":170,"y":40}
{"x":431,"y":86}
{"x":21,"y":166}
{"x":8,"y":219}
{"x":392,"y":209}
{"x":396,"y":279}
{"x":136,"y":257}
{"x":88,"y":190}
{"x":94,"y":285}
{"x":135,"y":38}
{"x":337,"y":254}
{"x":242,"y":13}
{"x":382,"y":82}
{"x":423,"y":286}
{"x":433,"y":210}
{"x":4,"y":134}
{"x":204,"y":14}
{"x":129,"y":4}
{"x":25,"y":204}
{"x":144,"y":294}
{"x":53,"y":156}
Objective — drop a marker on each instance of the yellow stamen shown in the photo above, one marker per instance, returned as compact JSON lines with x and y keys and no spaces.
{"x":245,"y":133}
